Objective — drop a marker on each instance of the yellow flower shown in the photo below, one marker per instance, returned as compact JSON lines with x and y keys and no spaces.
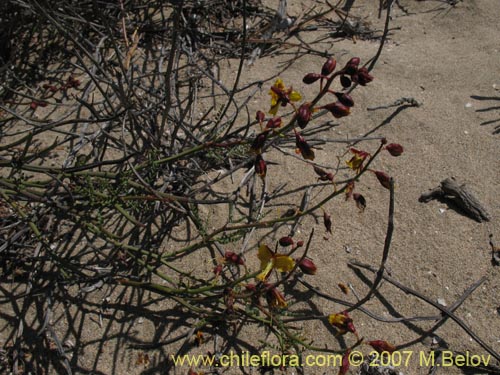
{"x":270,"y":260}
{"x":343,"y":322}
{"x":275,"y":298}
{"x":356,"y":162}
{"x":281,"y":96}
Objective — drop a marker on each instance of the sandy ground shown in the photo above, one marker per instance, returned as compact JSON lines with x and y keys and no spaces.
{"x":447,"y":59}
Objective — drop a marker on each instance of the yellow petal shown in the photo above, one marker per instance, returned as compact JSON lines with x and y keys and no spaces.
{"x":274,"y":99}
{"x":274,"y":109}
{"x":295,"y":96}
{"x":355,"y":162}
{"x":283,"y":263}
{"x":279,"y":84}
{"x":336,"y":319}
{"x":278,"y":300}
{"x":265,"y":254}
{"x":263,"y":275}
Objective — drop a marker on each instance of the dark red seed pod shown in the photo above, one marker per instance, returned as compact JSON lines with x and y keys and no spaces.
{"x":328,"y":66}
{"x":346,"y":363}
{"x":394,"y":149}
{"x":304,"y":115}
{"x":259,"y":142}
{"x":307,"y":266}
{"x":323,"y":175}
{"x":363,"y":76}
{"x":327,"y":221}
{"x":286,"y":241}
{"x":382,"y":346}
{"x":274,"y":123}
{"x":311,"y":78}
{"x":384,"y":179}
{"x":338,"y":109}
{"x":260,"y":116}
{"x":260,"y":166}
{"x":360,"y":201}
{"x":345,"y":82}
{"x":352,"y":66}
{"x":300,"y":243}
{"x":345,"y":99}
{"x":304,"y":148}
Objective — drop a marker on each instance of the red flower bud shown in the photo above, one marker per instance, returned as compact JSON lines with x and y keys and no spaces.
{"x":311,"y":78}
{"x":345,"y":99}
{"x":345,"y":82}
{"x":394,"y":149}
{"x":286,"y":241}
{"x":300,"y":243}
{"x":260,"y":116}
{"x":327,"y":221}
{"x":232,"y":257}
{"x":383,"y":178}
{"x":363,"y":77}
{"x":307,"y":266}
{"x":274,"y":123}
{"x":259,"y":142}
{"x":260,"y":166}
{"x":382,"y":346}
{"x":251,"y":287}
{"x":218,"y":269}
{"x":360,"y":201}
{"x":303,"y":146}
{"x":337,"y":109}
{"x":304,"y":115}
{"x":35,"y":104}
{"x":328,"y":66}
{"x":72,"y":82}
{"x":383,"y":141}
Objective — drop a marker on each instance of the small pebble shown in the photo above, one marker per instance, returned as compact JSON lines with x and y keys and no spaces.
{"x":441,"y":301}
{"x":468,"y":105}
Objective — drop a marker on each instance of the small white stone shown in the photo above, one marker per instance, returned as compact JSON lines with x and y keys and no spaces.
{"x":442,"y":210}
{"x":441,"y":301}
{"x":468,"y":105}
{"x":466,"y":132}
